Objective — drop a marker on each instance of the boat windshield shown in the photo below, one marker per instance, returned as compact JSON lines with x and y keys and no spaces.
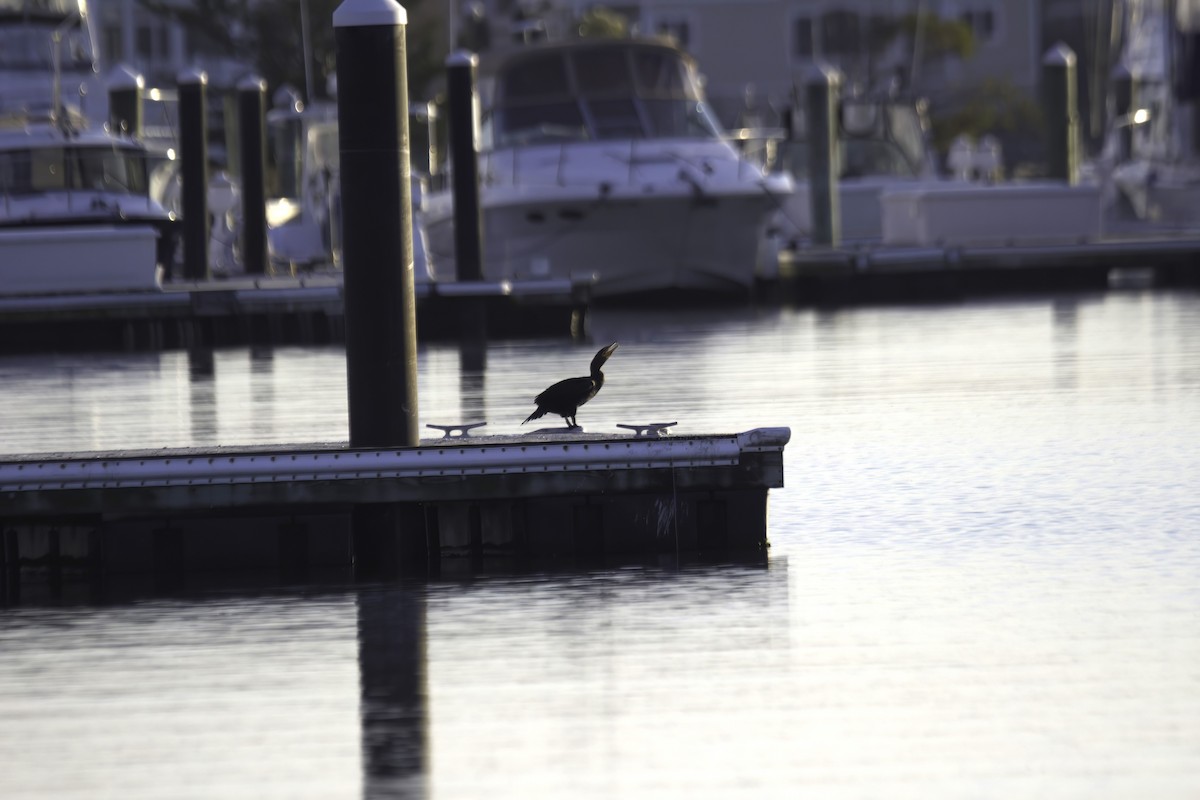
{"x":598,"y":93}
{"x":875,"y":140}
{"x":56,"y":169}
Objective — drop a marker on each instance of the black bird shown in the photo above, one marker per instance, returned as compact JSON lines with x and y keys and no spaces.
{"x":565,"y":397}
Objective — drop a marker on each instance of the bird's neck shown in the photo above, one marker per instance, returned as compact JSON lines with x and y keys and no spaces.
{"x":597,"y":376}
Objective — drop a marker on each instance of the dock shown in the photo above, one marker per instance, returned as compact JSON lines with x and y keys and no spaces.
{"x":543,"y":497}
{"x":271,"y":310}
{"x":874,"y":273}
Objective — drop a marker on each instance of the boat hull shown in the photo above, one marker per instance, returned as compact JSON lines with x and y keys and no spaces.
{"x":631,"y":244}
{"x":78,"y":258}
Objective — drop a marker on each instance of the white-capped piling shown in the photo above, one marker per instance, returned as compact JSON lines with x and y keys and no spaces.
{"x":1060,"y":99}
{"x":252,"y":110}
{"x":380,"y":299}
{"x":193,"y":157}
{"x":822,"y":88}
{"x":126,"y":90}
{"x":463,"y":121}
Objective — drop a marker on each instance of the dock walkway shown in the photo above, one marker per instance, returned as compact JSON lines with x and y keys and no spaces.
{"x":544,"y":495}
{"x":878,"y":273}
{"x":305,"y":309}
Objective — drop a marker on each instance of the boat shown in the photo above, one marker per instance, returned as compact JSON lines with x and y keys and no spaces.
{"x":883,"y":145}
{"x":891,"y":193}
{"x":304,"y":199}
{"x":600,"y":158}
{"x":75,"y":210}
{"x":76,"y":213}
{"x":1156,"y":173}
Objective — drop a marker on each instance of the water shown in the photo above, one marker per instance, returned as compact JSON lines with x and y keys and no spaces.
{"x":984,"y":580}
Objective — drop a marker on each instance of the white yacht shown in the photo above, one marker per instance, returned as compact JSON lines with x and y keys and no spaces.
{"x":75,"y":210}
{"x":601,"y":157}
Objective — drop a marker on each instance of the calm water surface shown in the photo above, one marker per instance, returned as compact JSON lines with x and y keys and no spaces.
{"x":984,"y":580}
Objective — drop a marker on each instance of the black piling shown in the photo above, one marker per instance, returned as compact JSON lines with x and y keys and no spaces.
{"x":125,"y":95}
{"x":463,"y":129}
{"x":380,"y":296}
{"x":463,"y":124}
{"x":193,"y":154}
{"x":252,"y":110}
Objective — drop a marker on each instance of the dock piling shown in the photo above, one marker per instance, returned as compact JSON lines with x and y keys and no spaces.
{"x":463,"y":126}
{"x":125,"y":96}
{"x":252,"y":110}
{"x":380,"y":297}
{"x":822,"y":86}
{"x":1060,"y":96}
{"x":463,"y":122}
{"x":193,"y":154}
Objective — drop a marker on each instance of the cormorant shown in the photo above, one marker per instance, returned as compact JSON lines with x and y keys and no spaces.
{"x":565,"y":397}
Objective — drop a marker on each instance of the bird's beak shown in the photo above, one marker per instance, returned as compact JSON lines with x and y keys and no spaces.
{"x":606,"y":352}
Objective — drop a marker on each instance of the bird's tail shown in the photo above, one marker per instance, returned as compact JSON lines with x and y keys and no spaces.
{"x":537,"y":414}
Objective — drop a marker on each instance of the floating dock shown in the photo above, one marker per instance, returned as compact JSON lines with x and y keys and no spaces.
{"x":271,"y":310}
{"x":878,"y":274}
{"x":543,"y":497}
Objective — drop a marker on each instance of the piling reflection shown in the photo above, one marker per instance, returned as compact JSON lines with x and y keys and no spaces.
{"x":392,"y":684}
{"x":202,"y":386}
{"x":1065,"y":316}
{"x":262,"y":392}
{"x":472,"y":358}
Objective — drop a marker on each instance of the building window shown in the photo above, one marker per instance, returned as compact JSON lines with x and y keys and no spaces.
{"x":114,"y":47}
{"x":145,"y":42}
{"x":840,"y":34}
{"x":802,"y":38}
{"x":164,"y":41}
{"x":982,"y":23}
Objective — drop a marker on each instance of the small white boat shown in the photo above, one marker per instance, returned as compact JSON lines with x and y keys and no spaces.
{"x":75,"y":210}
{"x":304,"y":204}
{"x":882,"y":146}
{"x":601,"y":157}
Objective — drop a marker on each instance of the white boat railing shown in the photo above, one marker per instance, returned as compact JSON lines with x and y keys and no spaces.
{"x":523,"y":166}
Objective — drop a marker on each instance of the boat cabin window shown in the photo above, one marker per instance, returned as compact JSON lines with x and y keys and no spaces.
{"x":53,"y":169}
{"x":875,"y":139}
{"x":599,"y":93}
{"x":541,"y":77}
{"x":659,"y":76}
{"x":603,"y":72}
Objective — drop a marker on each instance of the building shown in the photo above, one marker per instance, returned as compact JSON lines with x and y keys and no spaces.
{"x":769,"y":44}
{"x":155,"y":45}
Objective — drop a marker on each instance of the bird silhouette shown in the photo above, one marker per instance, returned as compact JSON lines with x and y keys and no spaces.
{"x":565,"y":397}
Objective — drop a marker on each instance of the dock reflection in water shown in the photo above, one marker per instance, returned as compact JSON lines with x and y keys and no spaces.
{"x":982,"y":580}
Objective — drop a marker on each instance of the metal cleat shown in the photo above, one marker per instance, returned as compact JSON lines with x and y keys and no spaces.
{"x":649,"y":429}
{"x":448,"y":430}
